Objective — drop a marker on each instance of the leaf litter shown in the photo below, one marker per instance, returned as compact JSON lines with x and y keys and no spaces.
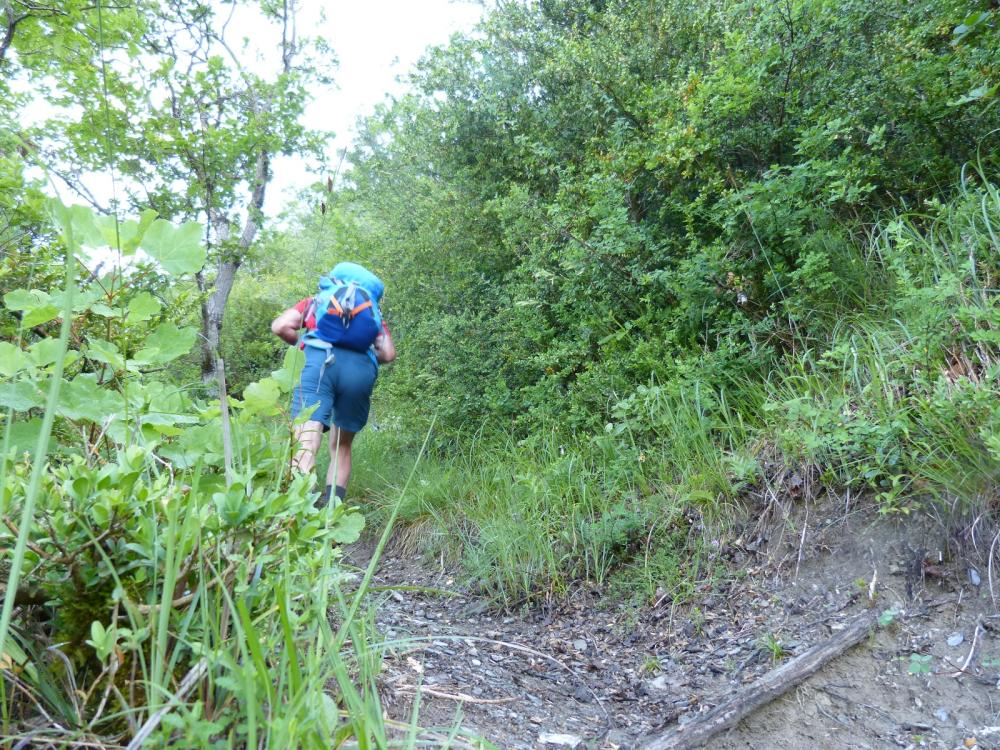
{"x":578,"y":673}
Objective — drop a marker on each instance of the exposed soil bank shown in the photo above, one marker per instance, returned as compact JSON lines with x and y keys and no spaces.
{"x":604,"y":678}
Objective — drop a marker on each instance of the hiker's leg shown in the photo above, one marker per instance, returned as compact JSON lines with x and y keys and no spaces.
{"x":314,"y":392}
{"x":308,"y":436}
{"x":355,"y":378}
{"x":340,"y":457}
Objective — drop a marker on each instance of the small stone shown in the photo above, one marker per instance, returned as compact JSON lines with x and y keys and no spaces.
{"x":975,"y":580}
{"x":942,"y":716}
{"x":580,"y":645}
{"x":955,"y":639}
{"x":562,"y":740}
{"x":476,"y":663}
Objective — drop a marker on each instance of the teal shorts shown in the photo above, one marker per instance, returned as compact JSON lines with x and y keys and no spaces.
{"x":339,"y":383}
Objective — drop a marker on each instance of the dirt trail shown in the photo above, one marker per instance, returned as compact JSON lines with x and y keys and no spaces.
{"x":580,"y":675}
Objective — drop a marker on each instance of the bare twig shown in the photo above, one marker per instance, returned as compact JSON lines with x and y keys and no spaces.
{"x":461,"y":697}
{"x":972,"y":649}
{"x":191,"y":679}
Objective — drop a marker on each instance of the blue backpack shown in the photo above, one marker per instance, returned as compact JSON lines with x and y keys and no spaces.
{"x":346,"y":307}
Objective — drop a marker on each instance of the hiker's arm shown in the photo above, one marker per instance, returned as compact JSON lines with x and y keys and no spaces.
{"x":385,"y":350}
{"x":287,"y":325}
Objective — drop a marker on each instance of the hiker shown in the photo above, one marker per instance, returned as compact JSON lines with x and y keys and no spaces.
{"x":345,"y":340}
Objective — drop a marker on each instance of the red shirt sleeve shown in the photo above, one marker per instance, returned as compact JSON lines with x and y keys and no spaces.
{"x":302,"y":305}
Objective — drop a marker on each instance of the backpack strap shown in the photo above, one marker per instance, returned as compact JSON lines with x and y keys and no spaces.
{"x":363,"y":306}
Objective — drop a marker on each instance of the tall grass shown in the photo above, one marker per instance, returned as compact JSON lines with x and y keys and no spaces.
{"x":242,"y":629}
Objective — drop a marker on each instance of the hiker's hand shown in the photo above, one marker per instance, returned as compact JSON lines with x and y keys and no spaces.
{"x":287,"y":325}
{"x":385,"y":350}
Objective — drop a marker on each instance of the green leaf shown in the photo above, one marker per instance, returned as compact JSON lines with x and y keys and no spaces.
{"x":83,"y":399}
{"x":82,"y":299}
{"x":262,"y":397}
{"x":348,"y":528}
{"x":291,"y":369}
{"x":37,"y":306}
{"x":12,"y":359}
{"x":47,"y":351}
{"x":24,"y":435}
{"x":128,"y":234}
{"x":178,"y":249}
{"x":85,"y":227}
{"x":888,"y":617}
{"x":142,"y":306}
{"x":166,"y":343}
{"x":14,"y":659}
{"x":919,"y":664}
{"x":978,"y":93}
{"x":104,"y":311}
{"x":21,"y":395}
{"x":76,"y":222}
{"x":100,"y":350}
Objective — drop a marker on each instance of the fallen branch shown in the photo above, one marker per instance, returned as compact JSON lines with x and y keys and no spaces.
{"x":772,"y":685}
{"x":972,"y":649}
{"x":191,"y":679}
{"x":460,"y":697}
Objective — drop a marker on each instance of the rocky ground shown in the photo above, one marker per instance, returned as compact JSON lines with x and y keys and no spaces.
{"x":580,"y":674}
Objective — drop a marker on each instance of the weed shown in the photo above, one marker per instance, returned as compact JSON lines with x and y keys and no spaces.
{"x":770,"y":644}
{"x":651,"y":665}
{"x":919,"y":664}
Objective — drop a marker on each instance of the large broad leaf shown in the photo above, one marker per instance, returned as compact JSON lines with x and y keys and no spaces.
{"x":166,"y":343}
{"x":348,"y":528}
{"x":82,"y":298}
{"x":291,"y":368}
{"x":24,"y":435}
{"x":262,"y":397}
{"x":167,"y":406}
{"x":12,"y":359}
{"x":37,"y":306}
{"x":82,"y":398}
{"x":100,"y":350}
{"x":178,"y":249}
{"x":20,"y":396}
{"x":77,"y":224}
{"x":142,"y":306}
{"x":47,"y":351}
{"x":126,"y":235}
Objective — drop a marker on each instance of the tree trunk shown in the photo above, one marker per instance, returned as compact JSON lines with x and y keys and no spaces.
{"x":213,"y":307}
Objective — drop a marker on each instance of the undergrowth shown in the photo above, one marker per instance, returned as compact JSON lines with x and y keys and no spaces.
{"x":897,"y":400}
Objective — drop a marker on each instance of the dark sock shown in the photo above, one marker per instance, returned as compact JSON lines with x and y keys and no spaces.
{"x":341,"y":492}
{"x":324,"y":497}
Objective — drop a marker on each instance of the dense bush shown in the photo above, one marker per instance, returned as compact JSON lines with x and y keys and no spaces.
{"x":753,"y":245}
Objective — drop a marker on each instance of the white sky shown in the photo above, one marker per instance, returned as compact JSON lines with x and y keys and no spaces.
{"x":375,"y":41}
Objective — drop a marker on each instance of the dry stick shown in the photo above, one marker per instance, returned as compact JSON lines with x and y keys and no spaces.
{"x":461,"y":697}
{"x":972,"y":649}
{"x":802,"y":542}
{"x":191,"y":679}
{"x":523,"y":649}
{"x":772,"y":685}
{"x":989,"y":567}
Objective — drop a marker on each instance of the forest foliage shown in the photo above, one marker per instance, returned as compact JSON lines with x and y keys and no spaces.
{"x":650,"y":264}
